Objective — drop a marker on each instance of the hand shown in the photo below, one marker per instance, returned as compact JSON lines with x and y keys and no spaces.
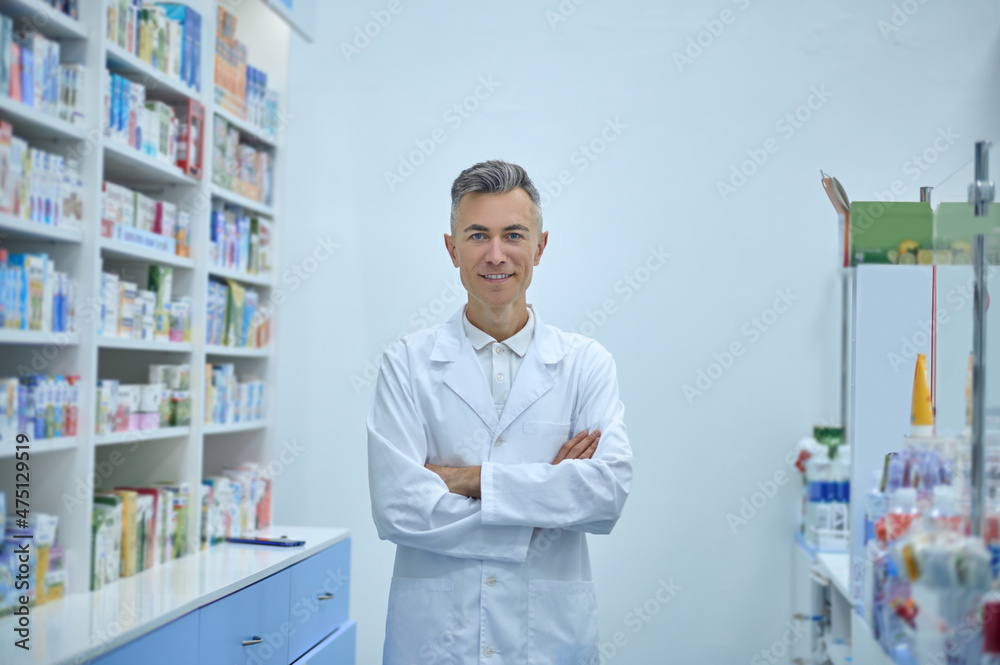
{"x":581,"y":446}
{"x":462,"y":480}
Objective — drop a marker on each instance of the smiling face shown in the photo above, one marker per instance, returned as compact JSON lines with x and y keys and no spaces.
{"x":495,"y":247}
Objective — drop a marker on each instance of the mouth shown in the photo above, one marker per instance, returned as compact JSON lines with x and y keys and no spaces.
{"x":497,"y":278}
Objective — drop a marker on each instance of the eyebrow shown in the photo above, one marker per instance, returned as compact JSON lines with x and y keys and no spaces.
{"x":511,"y":227}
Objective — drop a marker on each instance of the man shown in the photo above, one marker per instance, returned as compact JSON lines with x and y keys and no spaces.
{"x":472,"y":468}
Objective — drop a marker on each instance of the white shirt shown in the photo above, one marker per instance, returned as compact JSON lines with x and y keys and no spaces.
{"x":500,"y":360}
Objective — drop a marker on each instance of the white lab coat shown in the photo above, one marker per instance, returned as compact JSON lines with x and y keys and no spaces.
{"x":505,"y":579}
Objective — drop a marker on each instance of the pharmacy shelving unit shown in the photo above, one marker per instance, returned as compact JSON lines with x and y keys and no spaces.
{"x":66,"y":472}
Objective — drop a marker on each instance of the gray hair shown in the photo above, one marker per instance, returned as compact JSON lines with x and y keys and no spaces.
{"x":493,"y":177}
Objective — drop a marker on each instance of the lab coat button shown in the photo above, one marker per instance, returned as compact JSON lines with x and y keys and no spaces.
{"x":499,"y":377}
{"x":499,"y":349}
{"x":498,"y":441}
{"x":487,"y":652}
{"x":491,"y":581}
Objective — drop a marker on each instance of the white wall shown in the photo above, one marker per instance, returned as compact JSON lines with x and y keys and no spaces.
{"x":654,"y":187}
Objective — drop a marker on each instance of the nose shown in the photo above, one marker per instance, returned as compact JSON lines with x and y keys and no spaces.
{"x":495,"y":253}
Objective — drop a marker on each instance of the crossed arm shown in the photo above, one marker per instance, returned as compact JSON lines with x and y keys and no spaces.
{"x":465,"y":480}
{"x":429,"y":507}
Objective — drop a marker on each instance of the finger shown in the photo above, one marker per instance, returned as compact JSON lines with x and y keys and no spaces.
{"x":580,"y":447}
{"x":568,"y":446}
{"x":589,"y":453}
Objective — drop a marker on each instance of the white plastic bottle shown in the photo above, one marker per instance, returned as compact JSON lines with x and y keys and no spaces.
{"x":818,"y":494}
{"x":876,"y":505}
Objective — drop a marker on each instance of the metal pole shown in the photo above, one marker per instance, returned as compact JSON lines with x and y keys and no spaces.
{"x":978,"y":382}
{"x":980,"y":195}
{"x":925,"y":194}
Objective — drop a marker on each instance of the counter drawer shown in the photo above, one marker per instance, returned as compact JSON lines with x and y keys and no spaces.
{"x":336,"y":649}
{"x":257,"y":612}
{"x":176,"y":642}
{"x":320,"y":590}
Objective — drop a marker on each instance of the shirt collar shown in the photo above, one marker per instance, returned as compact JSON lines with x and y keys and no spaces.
{"x":518,"y":342}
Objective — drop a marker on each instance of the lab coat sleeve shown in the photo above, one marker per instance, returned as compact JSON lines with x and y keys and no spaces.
{"x":411,"y":505}
{"x":579,"y":495}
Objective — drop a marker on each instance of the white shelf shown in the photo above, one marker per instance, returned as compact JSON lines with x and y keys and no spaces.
{"x":124,"y":163}
{"x":142,"y":435}
{"x":143,"y":345}
{"x":242,"y":201}
{"x":837,"y":567}
{"x":225,"y":273}
{"x":246,"y":128}
{"x":55,"y":23}
{"x":8,"y":336}
{"x":30,"y":122}
{"x":22,"y":228}
{"x":216,"y":350}
{"x":158,"y":85}
{"x":179,"y":454}
{"x":74,"y":629}
{"x":42,"y":446}
{"x":127,"y":250}
{"x":215,"y":428}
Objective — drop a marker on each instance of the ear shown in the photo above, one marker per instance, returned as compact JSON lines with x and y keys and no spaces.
{"x":449,"y":243}
{"x":543,"y":240}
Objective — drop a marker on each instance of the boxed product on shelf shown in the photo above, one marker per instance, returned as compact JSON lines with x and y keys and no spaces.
{"x":229,"y":401}
{"x":233,"y":316}
{"x":190,"y":137}
{"x":144,"y":314}
{"x":239,"y":241}
{"x":163,"y":402}
{"x":72,"y":84}
{"x":181,"y":506}
{"x":147,"y":126}
{"x":33,"y":296}
{"x":187,"y":45}
{"x":45,"y":569}
{"x":129,"y":531}
{"x":240,"y":88}
{"x":166,"y":36}
{"x":136,"y":218}
{"x":237,"y":503}
{"x":240,"y":167}
{"x":106,"y":542}
{"x":43,"y":407}
{"x":39,"y":186}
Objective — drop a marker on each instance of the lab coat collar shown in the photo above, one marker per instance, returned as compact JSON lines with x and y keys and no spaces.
{"x":465,"y":376}
{"x":451,"y":338}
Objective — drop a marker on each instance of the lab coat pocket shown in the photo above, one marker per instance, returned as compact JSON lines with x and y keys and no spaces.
{"x":562,"y":623}
{"x":544,"y":440}
{"x":421,"y":622}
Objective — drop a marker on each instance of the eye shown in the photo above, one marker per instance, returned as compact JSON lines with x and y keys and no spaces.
{"x":514,"y":235}
{"x":477,"y":236}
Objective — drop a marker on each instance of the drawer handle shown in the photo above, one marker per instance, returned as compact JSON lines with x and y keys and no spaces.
{"x":324,"y":596}
{"x":255,"y":640}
